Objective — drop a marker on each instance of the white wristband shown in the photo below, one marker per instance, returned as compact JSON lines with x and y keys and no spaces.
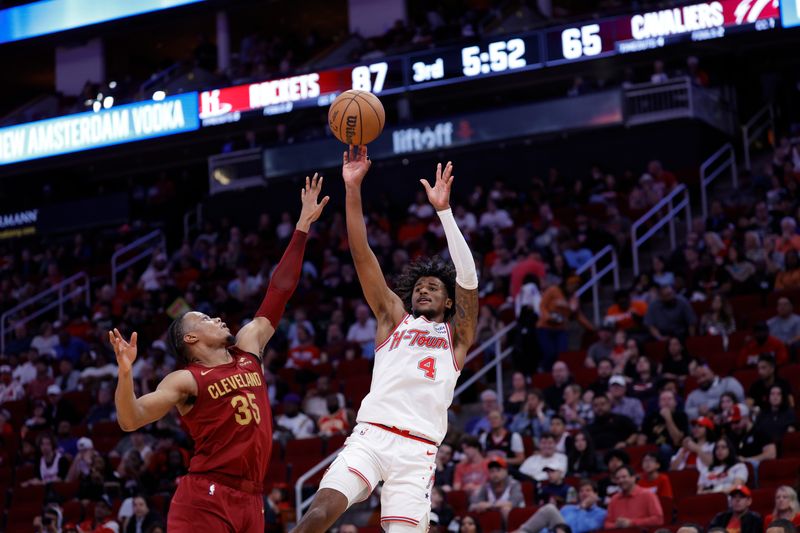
{"x":466,"y":275}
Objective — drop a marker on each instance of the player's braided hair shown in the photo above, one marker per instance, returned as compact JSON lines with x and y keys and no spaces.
{"x":427,"y":267}
{"x":175,"y":342}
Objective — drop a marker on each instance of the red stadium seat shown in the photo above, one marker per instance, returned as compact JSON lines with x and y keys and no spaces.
{"x":790,"y":446}
{"x":73,"y":511}
{"x":574,"y":359}
{"x":490,"y":521}
{"x":636,"y":453}
{"x":303,"y":449}
{"x":746,"y":377}
{"x":458,"y":500}
{"x":277,"y":472}
{"x":527,"y":443}
{"x":702,"y":347}
{"x":529,"y":491}
{"x":701,"y":508}
{"x":542,"y":380}
{"x":668,"y":508}
{"x":66,"y":490}
{"x":333,"y":443}
{"x":585,"y":376}
{"x":354,"y":367}
{"x":299,"y":466}
{"x":684,"y":482}
{"x":722,"y":363}
{"x":776,"y":472}
{"x":518,"y":516}
{"x":763,"y":501}
{"x":737,"y":340}
{"x":24,"y":473}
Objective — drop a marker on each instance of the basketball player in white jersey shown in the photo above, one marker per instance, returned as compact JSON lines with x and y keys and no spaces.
{"x":424,"y":332}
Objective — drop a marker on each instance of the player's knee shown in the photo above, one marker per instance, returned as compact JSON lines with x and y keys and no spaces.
{"x":328,"y":505}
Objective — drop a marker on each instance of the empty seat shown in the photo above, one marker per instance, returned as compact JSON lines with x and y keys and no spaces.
{"x":776,"y":472}
{"x":791,"y":444}
{"x":684,"y":482}
{"x":701,"y":508}
{"x":458,"y":500}
{"x":519,"y":515}
{"x":303,"y":449}
{"x":490,"y":521}
{"x":704,"y":345}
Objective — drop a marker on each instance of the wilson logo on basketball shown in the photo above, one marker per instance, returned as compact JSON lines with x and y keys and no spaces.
{"x":350,"y":130}
{"x":418,"y":337}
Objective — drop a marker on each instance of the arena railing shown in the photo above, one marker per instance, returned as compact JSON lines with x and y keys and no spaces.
{"x":762,"y":122}
{"x":665,"y":212}
{"x":596,"y":276}
{"x":45,"y":301}
{"x":723,"y":159}
{"x":141,"y":248}
{"x":496,"y":363}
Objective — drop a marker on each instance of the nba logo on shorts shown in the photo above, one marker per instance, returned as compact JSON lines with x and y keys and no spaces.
{"x":211,"y":489}
{"x":363,"y":431}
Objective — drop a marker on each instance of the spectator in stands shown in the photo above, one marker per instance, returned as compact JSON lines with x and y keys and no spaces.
{"x":554,"y":394}
{"x":305,"y":355}
{"x":299,"y":319}
{"x":759,"y":392}
{"x":68,"y":378}
{"x":789,"y":239}
{"x":574,"y":411}
{"x":337,"y":421}
{"x":53,"y":465}
{"x":786,"y":506}
{"x":559,"y":306}
{"x":719,"y":319}
{"x":626,"y":313}
{"x":689,"y":527}
{"x":762,"y":343}
{"x":581,"y":456}
{"x":778,"y":418}
{"x":547,"y":455}
{"x":103,"y":521}
{"x":752,"y":443}
{"x":316,"y":402}
{"x":633,"y":506}
{"x":59,"y":408}
{"x":472,"y":472}
{"x":143,"y":517}
{"x":677,"y":362}
{"x":643,"y":386}
{"x":558,"y":427}
{"x":614,"y":460}
{"x":11,"y":389}
{"x":609,"y":430}
{"x":481,"y":424}
{"x":624,"y":405}
{"x":789,"y":277}
{"x":726,"y":470}
{"x":500,"y":442}
{"x":785,"y":326}
{"x":37,"y":387}
{"x":652,"y":478}
{"x":670,"y":316}
{"x":660,"y":274}
{"x":710,"y":388}
{"x":293,"y":423}
{"x":46,"y":341}
{"x":554,"y":490}
{"x":519,"y":394}
{"x":105,"y":409}
{"x":363,"y":331}
{"x":25,"y":370}
{"x":739,"y":517}
{"x":666,"y":427}
{"x":605,"y":368}
{"x":494,"y":218}
{"x":501,"y":493}
{"x":780,"y":526}
{"x":601,"y":348}
{"x":582,"y":517}
{"x":696,"y":451}
{"x":445,"y":467}
{"x":534,"y":417}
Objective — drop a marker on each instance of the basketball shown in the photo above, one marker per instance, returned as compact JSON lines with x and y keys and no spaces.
{"x":356,"y":117}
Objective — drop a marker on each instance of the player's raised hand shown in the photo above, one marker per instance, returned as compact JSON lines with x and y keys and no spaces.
{"x":125,"y":351}
{"x":439,"y":194}
{"x":312,"y":209}
{"x":355,"y":164}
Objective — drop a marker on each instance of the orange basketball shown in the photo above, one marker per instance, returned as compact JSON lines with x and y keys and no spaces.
{"x":356,"y":117}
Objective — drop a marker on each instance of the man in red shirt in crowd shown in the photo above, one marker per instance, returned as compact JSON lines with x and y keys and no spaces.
{"x":762,"y":343}
{"x":633,"y":506}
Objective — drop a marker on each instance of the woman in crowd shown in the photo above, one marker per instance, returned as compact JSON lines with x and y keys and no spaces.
{"x":726,"y":470}
{"x":718,"y":320}
{"x":519,"y":394}
{"x":779,"y":418}
{"x":786,"y":506}
{"x":676,"y":365}
{"x":581,"y":457}
{"x":696,"y":451}
{"x":643,"y":386}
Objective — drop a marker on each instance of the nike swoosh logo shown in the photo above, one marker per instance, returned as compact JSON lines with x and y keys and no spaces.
{"x":204,"y":372}
{"x":430,"y":453}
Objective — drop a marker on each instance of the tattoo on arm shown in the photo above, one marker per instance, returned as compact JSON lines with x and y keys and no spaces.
{"x":465,"y":320}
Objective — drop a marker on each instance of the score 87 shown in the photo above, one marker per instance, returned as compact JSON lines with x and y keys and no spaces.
{"x":362,"y":77}
{"x":583,"y":41}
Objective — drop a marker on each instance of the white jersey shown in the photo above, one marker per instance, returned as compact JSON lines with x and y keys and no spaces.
{"x":413,"y":379}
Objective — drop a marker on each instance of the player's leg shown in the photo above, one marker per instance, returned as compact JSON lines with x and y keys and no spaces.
{"x":350,"y":479}
{"x":198,"y":506}
{"x":406,"y":493}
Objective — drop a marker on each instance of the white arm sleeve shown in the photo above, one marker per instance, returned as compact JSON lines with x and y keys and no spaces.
{"x":466,"y":275}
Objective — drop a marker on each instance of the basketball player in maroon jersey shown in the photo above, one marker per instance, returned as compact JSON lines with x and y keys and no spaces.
{"x":222,"y":398}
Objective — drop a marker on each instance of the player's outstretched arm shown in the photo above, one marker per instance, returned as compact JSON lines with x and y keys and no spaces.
{"x":465,"y":320}
{"x":133,"y":412}
{"x":254,"y":336}
{"x":385,"y":304}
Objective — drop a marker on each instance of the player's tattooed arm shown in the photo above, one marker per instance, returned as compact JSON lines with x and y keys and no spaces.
{"x":465,"y":320}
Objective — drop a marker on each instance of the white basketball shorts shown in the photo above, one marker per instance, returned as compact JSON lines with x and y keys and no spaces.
{"x":406,"y":466}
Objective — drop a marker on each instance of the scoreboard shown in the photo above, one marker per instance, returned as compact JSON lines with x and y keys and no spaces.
{"x":496,"y":57}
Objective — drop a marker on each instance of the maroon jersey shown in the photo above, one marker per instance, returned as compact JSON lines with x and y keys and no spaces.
{"x":231,"y":421}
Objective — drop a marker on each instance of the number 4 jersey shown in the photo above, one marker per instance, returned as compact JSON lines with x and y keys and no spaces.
{"x":231,"y":421}
{"x":413,"y":380}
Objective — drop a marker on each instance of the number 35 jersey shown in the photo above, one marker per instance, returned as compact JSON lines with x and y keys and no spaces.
{"x":413,"y":379}
{"x":231,"y":421}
